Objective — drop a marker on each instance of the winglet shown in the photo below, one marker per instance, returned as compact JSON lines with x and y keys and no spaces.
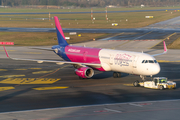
{"x":165,"y":48}
{"x":6,"y":52}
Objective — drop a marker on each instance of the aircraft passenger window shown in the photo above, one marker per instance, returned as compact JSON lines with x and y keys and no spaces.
{"x":146,"y":61}
{"x":143,"y":61}
{"x":151,"y":61}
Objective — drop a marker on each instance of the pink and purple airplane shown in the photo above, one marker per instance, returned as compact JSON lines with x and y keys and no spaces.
{"x":86,"y":59}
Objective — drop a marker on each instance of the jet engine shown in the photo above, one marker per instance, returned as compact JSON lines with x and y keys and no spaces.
{"x":84,"y":72}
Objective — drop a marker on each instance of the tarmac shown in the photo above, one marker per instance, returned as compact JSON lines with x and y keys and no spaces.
{"x":31,"y":91}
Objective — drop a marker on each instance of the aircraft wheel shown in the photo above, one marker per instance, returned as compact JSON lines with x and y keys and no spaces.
{"x":136,"y":83}
{"x":116,"y":74}
{"x":119,"y":74}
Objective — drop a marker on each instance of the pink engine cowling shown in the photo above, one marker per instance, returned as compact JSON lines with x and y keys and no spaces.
{"x":84,"y":72}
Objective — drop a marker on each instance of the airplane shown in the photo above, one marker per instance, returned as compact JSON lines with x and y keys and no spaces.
{"x":86,"y":59}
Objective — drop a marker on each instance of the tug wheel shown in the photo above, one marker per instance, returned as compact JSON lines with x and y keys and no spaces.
{"x":136,"y":83}
{"x":161,"y":87}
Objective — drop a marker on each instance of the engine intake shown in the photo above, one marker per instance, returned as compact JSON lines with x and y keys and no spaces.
{"x":84,"y":72}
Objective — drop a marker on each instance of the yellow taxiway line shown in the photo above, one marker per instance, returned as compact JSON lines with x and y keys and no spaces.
{"x":162,"y":40}
{"x":20,"y":69}
{"x":33,"y":52}
{"x":128,"y":84}
{"x":35,"y":68}
{"x":6,"y":88}
{"x":9,"y":76}
{"x":42,"y":72}
{"x":50,"y":88}
{"x":3,"y":70}
{"x":7,"y":50}
{"x":167,"y":61}
{"x":29,"y":81}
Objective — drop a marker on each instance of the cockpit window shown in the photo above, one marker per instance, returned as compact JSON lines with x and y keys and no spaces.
{"x":149,"y":61}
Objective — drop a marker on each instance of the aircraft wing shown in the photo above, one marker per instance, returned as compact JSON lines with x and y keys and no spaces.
{"x":165,"y":50}
{"x":94,"y":65}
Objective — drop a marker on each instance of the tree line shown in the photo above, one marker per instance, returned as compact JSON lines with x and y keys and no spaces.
{"x":90,"y":3}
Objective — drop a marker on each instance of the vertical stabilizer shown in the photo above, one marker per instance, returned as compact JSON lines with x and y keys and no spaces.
{"x":60,"y":34}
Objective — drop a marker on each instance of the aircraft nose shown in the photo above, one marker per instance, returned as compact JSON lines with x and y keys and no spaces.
{"x":156,"y":69}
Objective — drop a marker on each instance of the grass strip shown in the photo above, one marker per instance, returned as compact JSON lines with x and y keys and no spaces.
{"x":36,"y":10}
{"x":43,"y":39}
{"x":175,"y":44}
{"x":124,"y":20}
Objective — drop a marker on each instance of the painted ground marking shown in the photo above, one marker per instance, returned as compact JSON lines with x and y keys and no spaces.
{"x":7,"y":50}
{"x":20,"y":69}
{"x":29,"y":81}
{"x":138,"y":105}
{"x":10,"y":76}
{"x":6,"y":88}
{"x":3,"y":70}
{"x":50,"y":88}
{"x":101,"y":111}
{"x":128,"y":84}
{"x":53,"y":71}
{"x":111,"y":110}
{"x":33,"y":52}
{"x":42,"y":72}
{"x":35,"y":68}
{"x":167,"y":61}
{"x":145,"y":103}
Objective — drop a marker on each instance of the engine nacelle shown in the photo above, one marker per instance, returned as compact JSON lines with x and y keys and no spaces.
{"x":84,"y":72}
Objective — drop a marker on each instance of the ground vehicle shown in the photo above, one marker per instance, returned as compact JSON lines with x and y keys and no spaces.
{"x":156,"y":83}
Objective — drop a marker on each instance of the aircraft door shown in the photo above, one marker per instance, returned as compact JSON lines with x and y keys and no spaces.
{"x":134,"y":65}
{"x":135,"y":62}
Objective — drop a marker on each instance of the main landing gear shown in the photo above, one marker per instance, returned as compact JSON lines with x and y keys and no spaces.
{"x":116,"y":74}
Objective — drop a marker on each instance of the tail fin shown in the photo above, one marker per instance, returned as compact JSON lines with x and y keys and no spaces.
{"x":60,"y":34}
